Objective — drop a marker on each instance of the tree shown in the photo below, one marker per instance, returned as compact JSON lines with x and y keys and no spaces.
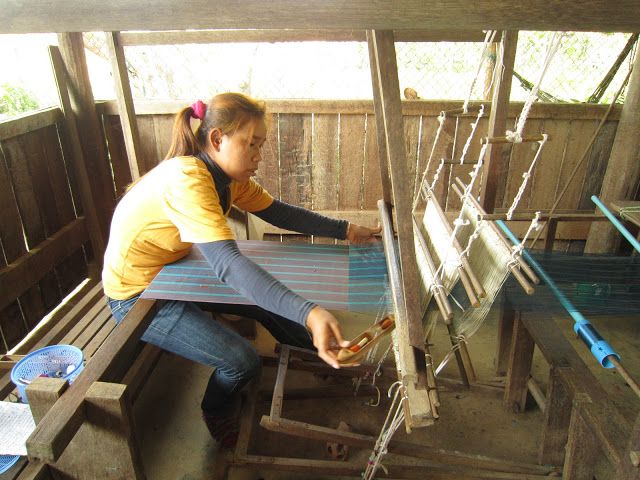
{"x":15,"y":100}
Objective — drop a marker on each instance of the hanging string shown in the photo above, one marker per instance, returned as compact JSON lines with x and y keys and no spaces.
{"x":474,"y":125}
{"x":554,"y":44}
{"x":525,"y":177}
{"x":459,"y":221}
{"x":441,"y":119}
{"x":394,"y":419}
{"x":488,"y":39}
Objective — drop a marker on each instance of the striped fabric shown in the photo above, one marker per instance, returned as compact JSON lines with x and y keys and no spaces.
{"x":337,"y":277}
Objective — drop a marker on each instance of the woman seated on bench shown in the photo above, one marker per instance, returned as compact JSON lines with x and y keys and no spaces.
{"x":185,"y":200}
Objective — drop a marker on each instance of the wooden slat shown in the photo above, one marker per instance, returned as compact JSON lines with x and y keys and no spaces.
{"x":73,"y":269}
{"x":269,"y":170}
{"x":351,"y":173}
{"x":59,"y":425}
{"x":21,"y":16}
{"x":544,"y":182}
{"x":325,"y":167}
{"x":559,"y":111}
{"x":29,"y":122}
{"x":25,"y":272}
{"x":373,"y":187}
{"x":295,"y":159}
{"x":579,"y":134}
{"x":117,"y":154}
{"x":90,"y":206}
{"x":495,"y":160}
{"x":19,"y":153}
{"x":125,"y":101}
{"x":71,"y":73}
{"x":597,"y":164}
{"x":255,"y":35}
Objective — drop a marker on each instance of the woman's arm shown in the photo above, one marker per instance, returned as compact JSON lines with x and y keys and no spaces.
{"x":301,"y":220}
{"x":264,"y":290}
{"x":305,"y":221}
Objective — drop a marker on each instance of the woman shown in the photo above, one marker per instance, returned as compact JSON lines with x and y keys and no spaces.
{"x":184,"y":201}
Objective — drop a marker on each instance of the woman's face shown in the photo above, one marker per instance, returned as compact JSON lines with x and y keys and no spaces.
{"x":239,"y":154}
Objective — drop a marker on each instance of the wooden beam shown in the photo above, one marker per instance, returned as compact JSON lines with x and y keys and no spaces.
{"x":33,"y":16}
{"x":559,"y":111}
{"x":385,"y":77}
{"x":623,"y":170}
{"x":29,"y":122}
{"x":25,"y":272}
{"x":497,"y":156}
{"x":125,"y":102}
{"x":89,"y":127}
{"x":96,"y":234}
{"x":176,"y":37}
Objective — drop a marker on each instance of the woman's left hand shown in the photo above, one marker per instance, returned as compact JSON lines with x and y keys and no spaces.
{"x":360,"y":234}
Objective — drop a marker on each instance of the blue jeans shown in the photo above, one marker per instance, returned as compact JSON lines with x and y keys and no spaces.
{"x":185,"y":329}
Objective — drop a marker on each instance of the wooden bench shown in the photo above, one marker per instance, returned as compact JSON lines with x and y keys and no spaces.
{"x":84,"y":429}
{"x":581,"y":425}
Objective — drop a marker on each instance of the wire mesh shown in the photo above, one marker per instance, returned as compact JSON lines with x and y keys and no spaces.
{"x":340,"y":70}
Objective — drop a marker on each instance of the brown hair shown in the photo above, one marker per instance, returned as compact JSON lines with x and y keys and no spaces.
{"x":226,"y":111}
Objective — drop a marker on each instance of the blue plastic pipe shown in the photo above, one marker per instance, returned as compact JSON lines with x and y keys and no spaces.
{"x":599,"y":348}
{"x":616,"y":223}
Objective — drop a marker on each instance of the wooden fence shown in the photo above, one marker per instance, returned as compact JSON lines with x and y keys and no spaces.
{"x":43,"y":234}
{"x":323,"y":154}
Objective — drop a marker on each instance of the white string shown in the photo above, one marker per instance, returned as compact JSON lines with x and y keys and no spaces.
{"x":389,"y":428}
{"x":488,"y":39}
{"x":554,"y":44}
{"x":517,"y":249}
{"x":525,"y":177}
{"x":474,"y":125}
{"x":441,"y":119}
{"x":459,"y":222}
{"x":436,"y":175}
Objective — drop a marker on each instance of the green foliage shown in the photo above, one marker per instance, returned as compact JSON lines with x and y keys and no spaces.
{"x":15,"y":100}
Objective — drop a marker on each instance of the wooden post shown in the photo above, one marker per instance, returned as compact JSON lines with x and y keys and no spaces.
{"x":125,"y":102}
{"x":623,"y":171}
{"x":496,"y":157}
{"x":552,"y":227}
{"x":582,"y":448}
{"x":105,"y":446}
{"x":42,"y":394}
{"x":505,"y":334}
{"x":387,"y":98}
{"x":380,"y":132}
{"x":520,"y":359}
{"x":89,"y":129}
{"x":72,"y":140}
{"x":557,"y":416}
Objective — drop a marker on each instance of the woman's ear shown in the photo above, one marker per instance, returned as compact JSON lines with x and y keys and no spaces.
{"x":215,"y":138}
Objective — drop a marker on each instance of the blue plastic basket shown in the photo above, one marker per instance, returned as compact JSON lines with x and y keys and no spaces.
{"x":7,"y":461}
{"x":58,"y":361}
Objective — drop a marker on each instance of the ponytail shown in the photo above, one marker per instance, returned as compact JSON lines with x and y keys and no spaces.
{"x":183,"y":140}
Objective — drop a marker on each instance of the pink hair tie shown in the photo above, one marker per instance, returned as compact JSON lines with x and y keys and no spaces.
{"x":199,"y":110}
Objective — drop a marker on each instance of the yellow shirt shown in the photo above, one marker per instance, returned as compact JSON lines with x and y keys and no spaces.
{"x":172,"y":207}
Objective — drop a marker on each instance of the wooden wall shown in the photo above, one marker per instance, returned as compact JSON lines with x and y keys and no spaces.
{"x":323,"y":154}
{"x":42,"y":230}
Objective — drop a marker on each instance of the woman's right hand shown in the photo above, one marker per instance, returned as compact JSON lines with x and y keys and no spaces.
{"x":326,"y":333}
